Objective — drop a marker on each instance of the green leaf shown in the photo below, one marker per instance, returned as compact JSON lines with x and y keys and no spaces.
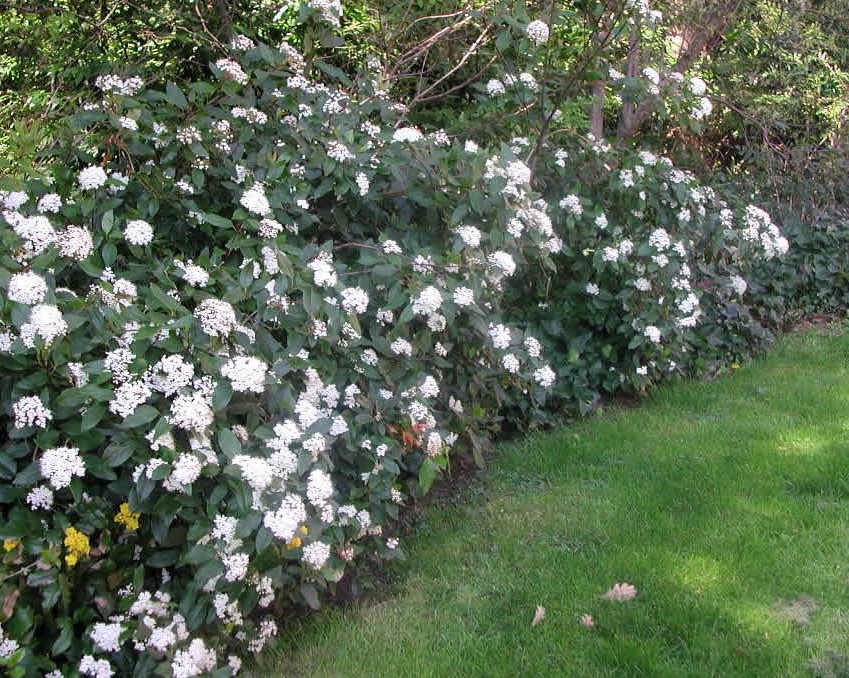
{"x":221,"y":395}
{"x":92,"y":416}
{"x":263,"y":540}
{"x":310,"y":596}
{"x":144,"y":414}
{"x":228,"y":443}
{"x":163,"y":558}
{"x":116,"y":454}
{"x":175,"y":96}
{"x":427,"y":474}
{"x":63,"y":641}
{"x":109,"y":253}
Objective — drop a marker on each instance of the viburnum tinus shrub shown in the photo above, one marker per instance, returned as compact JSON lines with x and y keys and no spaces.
{"x":652,"y":275}
{"x":243,"y":321}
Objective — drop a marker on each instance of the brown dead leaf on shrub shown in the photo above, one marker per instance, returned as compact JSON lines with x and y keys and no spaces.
{"x":539,"y":615}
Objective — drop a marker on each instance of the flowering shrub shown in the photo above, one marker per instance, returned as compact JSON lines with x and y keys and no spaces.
{"x":243,"y":321}
{"x":658,"y":275}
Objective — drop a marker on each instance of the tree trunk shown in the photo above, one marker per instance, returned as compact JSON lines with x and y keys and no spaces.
{"x":696,"y":39}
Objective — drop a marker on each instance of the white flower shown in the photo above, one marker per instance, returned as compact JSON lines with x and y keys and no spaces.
{"x":503,"y":261}
{"x":533,"y":347}
{"x":316,"y":554}
{"x":697,"y":86}
{"x":231,"y":70}
{"x":246,"y":374}
{"x":194,"y":661}
{"x":739,"y":285}
{"x":75,"y":242}
{"x":193,"y":274}
{"x":96,"y":668}
{"x":216,"y":317}
{"x":495,"y":87}
{"x":91,"y":177}
{"x":642,"y":284}
{"x":30,"y":411}
{"x":651,"y":75}
{"x":255,"y":202}
{"x":528,"y":81}
{"x":510,"y":363}
{"x":544,"y":376}
{"x":463,"y":296}
{"x":106,"y":637}
{"x":500,"y":335}
{"x":429,"y":301}
{"x":407,"y":134}
{"x":572,"y":203}
{"x":128,"y":396}
{"x":537,"y":32}
{"x":40,"y":497}
{"x":322,"y":267}
{"x":138,"y":232}
{"x":592,"y":289}
{"x":653,"y":334}
{"x":355,"y":300}
{"x":58,"y":465}
{"x":14,"y":199}
{"x":27,"y":288}
{"x":37,"y":232}
{"x":191,"y":413}
{"x":401,"y":347}
{"x":660,"y":240}
{"x":50,"y":202}
{"x":429,"y":388}
{"x":184,"y":471}
{"x":319,"y":488}
{"x":610,"y":254}
{"x":287,"y":518}
{"x":470,"y":236}
{"x":363,"y":183}
{"x":45,"y":321}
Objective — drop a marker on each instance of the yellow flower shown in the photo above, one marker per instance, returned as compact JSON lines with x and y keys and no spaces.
{"x":735,"y":366}
{"x":11,"y":544}
{"x":293,"y":543}
{"x":127,"y":518}
{"x":77,"y":544}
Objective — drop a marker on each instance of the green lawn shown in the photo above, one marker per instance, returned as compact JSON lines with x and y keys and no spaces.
{"x":726,"y":504}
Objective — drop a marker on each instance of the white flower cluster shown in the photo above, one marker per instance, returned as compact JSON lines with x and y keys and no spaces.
{"x":138,"y":232}
{"x":428,"y":302}
{"x":30,"y":411}
{"x":759,"y":228}
{"x":255,"y":202}
{"x":27,"y":288}
{"x":216,"y":317}
{"x":46,"y":322}
{"x":91,"y":178}
{"x":58,"y":465}
{"x":231,"y":70}
{"x":246,"y":374}
{"x":537,"y":32}
{"x":112,"y":84}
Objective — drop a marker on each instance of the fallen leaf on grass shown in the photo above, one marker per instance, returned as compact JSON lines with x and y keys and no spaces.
{"x":539,"y":615}
{"x":620,"y":592}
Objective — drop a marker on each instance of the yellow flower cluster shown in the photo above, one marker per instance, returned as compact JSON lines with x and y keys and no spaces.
{"x":11,"y":544}
{"x":77,"y":544}
{"x":127,"y":518}
{"x":295,"y":542}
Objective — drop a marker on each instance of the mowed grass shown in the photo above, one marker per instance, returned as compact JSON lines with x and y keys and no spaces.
{"x":726,"y":504}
